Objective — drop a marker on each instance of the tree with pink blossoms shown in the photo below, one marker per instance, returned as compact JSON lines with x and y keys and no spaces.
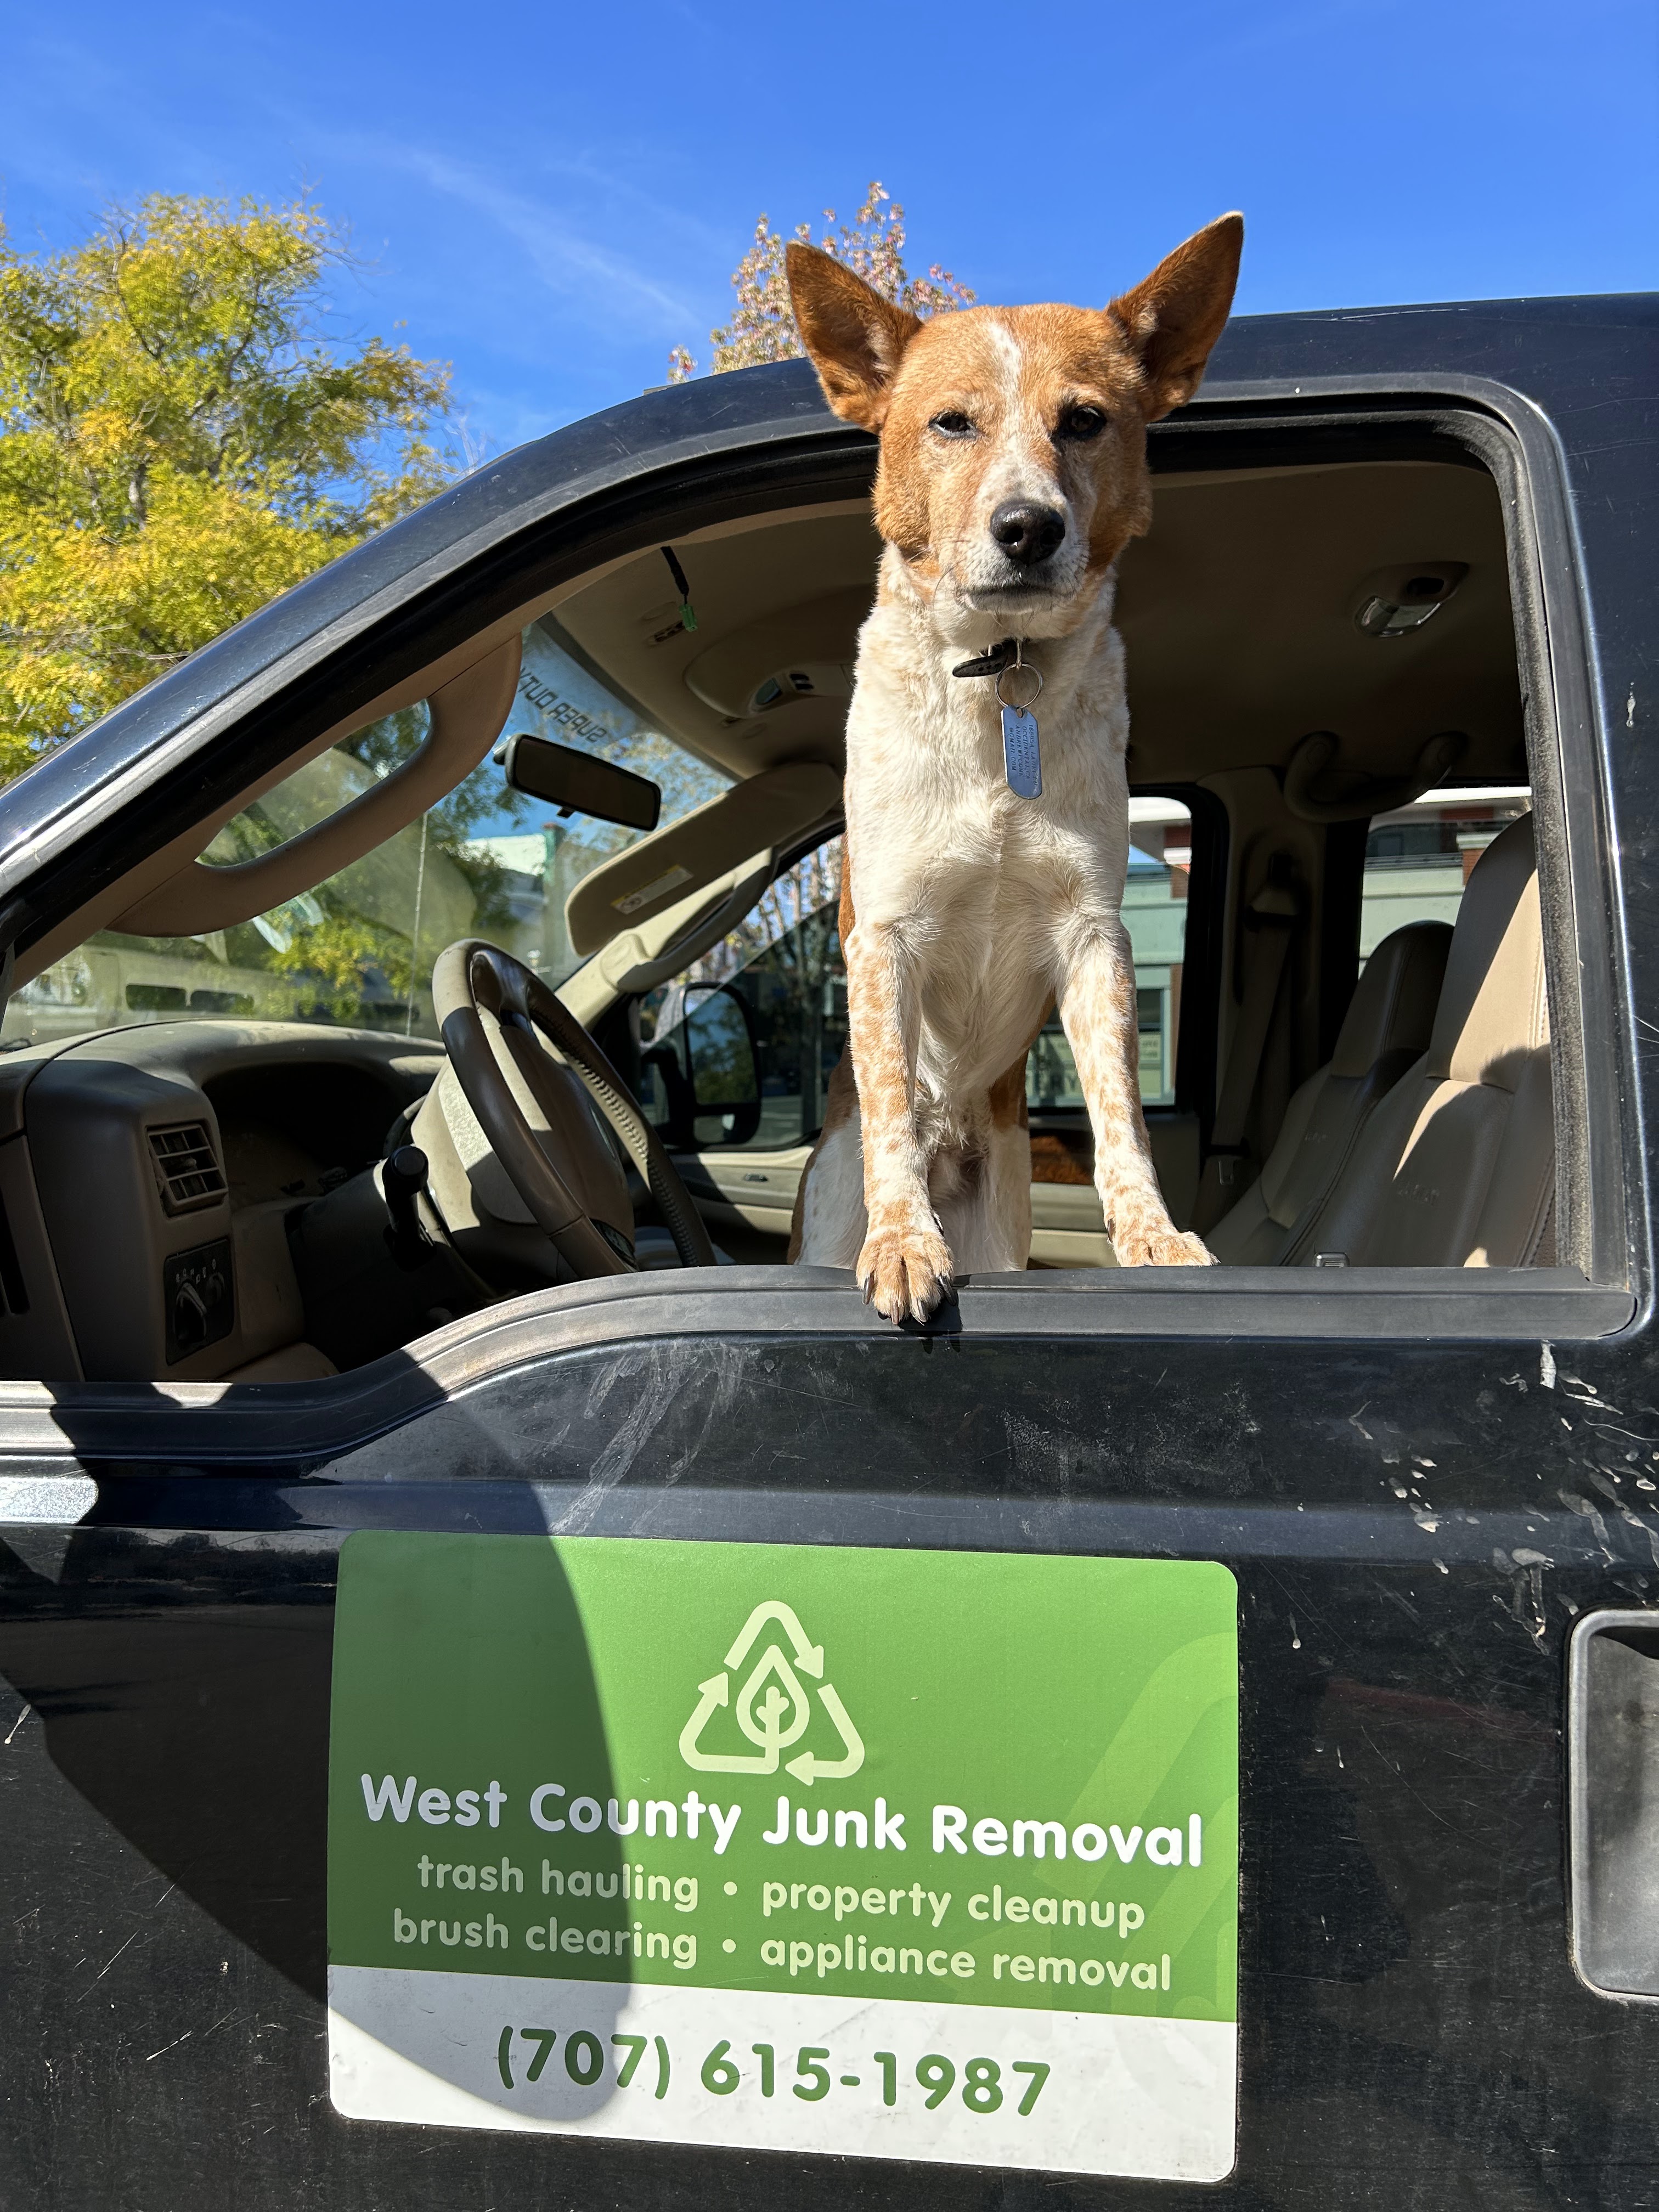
{"x":762,"y":327}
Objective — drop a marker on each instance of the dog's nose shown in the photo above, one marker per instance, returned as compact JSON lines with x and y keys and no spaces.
{"x":1026,"y":532}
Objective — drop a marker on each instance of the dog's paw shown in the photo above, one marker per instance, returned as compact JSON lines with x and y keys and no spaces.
{"x":905,"y":1271}
{"x":1162,"y":1247}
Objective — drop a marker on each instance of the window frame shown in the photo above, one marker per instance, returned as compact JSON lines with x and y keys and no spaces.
{"x":1197,"y":1065}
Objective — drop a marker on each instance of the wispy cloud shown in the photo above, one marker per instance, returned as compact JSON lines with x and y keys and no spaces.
{"x":1265,"y":29}
{"x":495,"y":420}
{"x":564,"y":258}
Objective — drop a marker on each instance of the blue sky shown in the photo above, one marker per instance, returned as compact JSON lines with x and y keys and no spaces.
{"x":551,"y":197}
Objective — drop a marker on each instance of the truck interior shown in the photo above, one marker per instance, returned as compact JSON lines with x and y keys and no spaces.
{"x":212,"y":1077}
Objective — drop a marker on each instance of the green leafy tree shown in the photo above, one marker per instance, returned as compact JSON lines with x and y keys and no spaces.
{"x":180,"y":440}
{"x":763,"y":325}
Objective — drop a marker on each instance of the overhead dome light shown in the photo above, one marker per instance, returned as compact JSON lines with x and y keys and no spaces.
{"x":1395,"y":602}
{"x":816,"y":679}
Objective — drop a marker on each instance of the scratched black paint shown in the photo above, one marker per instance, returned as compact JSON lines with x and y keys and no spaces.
{"x":1413,"y":1525}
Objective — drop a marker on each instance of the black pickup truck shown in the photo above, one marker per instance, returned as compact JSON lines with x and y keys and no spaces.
{"x":513,"y":1695}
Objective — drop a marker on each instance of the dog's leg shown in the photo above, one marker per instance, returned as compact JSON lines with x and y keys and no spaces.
{"x":983,"y":1202}
{"x":828,"y":1227}
{"x":1008,"y":1201}
{"x":1097,"y":1010}
{"x":991,"y":1228}
{"x":956,"y":1186}
{"x":1008,"y":1172}
{"x":905,"y":1265}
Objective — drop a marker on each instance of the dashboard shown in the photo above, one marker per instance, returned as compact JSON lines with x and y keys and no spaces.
{"x":147,"y":1180}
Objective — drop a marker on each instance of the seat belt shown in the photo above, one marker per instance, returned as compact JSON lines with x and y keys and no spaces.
{"x":1270,"y":922}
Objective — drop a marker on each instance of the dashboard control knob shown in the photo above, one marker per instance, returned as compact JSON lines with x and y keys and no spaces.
{"x":190,"y":1315}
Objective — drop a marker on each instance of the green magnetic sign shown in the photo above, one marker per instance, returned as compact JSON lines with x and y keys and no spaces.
{"x":980,"y":1785}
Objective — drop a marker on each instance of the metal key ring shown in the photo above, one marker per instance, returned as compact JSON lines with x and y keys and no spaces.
{"x":1020,"y":668}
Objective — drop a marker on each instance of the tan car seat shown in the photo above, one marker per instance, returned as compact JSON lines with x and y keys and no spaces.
{"x":1456,"y":1168}
{"x":1385,"y":1031}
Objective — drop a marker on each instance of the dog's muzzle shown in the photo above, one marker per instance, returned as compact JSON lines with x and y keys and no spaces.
{"x":1027,"y":533}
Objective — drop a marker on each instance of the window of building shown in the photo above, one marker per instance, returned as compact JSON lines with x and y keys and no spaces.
{"x":1418,"y":858}
{"x":1155,"y":914}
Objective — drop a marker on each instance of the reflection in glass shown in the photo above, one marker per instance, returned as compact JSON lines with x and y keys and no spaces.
{"x":717,"y":1041}
{"x":357,"y":949}
{"x":1418,"y":858}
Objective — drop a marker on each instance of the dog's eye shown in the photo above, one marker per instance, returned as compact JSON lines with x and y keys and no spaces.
{"x":1080,"y":423}
{"x":952,"y":423}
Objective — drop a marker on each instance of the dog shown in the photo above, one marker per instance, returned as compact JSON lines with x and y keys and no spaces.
{"x":1012,"y":473}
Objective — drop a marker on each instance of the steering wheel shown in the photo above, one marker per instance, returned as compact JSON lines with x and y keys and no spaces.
{"x":473,"y":980}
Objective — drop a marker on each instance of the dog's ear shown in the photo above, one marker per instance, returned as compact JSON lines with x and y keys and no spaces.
{"x":1174,"y":317}
{"x":854,"y":337}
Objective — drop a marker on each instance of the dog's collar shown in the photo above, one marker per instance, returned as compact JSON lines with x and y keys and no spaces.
{"x":1022,"y":759}
{"x":993,"y":662}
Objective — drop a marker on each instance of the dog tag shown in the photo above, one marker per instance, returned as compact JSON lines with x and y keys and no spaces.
{"x":1022,"y":759}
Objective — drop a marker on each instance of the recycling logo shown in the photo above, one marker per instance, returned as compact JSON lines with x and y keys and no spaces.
{"x":775,"y":1708}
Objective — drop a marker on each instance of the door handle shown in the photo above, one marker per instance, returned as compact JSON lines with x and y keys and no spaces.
{"x":1613,"y":1791}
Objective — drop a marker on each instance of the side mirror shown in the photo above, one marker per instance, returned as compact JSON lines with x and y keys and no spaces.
{"x":578,"y":782}
{"x":705,"y":1073}
{"x":722,"y":1063}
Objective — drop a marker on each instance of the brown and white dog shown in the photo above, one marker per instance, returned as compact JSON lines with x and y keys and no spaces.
{"x":1012,"y":474}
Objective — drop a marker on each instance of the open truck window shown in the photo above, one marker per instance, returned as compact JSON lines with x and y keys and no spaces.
{"x":1313,"y":778}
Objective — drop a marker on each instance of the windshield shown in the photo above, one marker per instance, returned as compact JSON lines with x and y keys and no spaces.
{"x":358,"y":948}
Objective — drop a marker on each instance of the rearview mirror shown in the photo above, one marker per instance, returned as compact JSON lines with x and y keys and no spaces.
{"x":578,"y":783}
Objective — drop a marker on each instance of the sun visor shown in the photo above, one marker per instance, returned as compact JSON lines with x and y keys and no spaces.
{"x":764,"y":811}
{"x":466,"y":717}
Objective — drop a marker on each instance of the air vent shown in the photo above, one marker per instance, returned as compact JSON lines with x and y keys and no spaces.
{"x":187,"y":1169}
